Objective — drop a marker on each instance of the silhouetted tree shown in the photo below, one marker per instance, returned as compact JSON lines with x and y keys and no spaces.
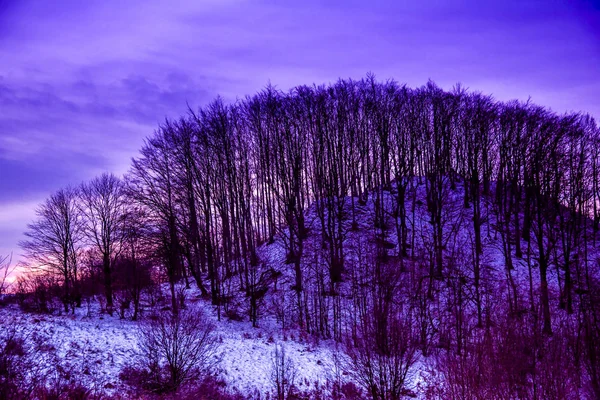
{"x":54,"y":241}
{"x":104,"y":208}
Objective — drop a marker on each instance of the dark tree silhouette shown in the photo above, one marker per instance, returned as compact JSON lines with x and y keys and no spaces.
{"x":54,"y":241}
{"x":104,"y":208}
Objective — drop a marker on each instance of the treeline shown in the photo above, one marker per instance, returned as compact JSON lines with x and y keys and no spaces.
{"x":411,"y":219}
{"x":89,"y":239}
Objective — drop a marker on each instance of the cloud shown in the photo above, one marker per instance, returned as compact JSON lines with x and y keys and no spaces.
{"x":14,"y":217}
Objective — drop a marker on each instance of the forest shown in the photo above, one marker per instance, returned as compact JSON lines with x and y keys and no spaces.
{"x":416,"y":229}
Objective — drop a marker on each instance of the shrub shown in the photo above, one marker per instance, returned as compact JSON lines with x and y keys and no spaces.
{"x":16,"y":362}
{"x":283,"y":373}
{"x":175,"y":349}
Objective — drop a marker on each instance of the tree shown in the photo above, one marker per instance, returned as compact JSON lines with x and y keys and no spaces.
{"x":104,"y":208}
{"x":134,"y":266}
{"x":5,"y":271}
{"x":54,"y":242}
{"x":382,"y":349}
{"x":283,"y":373}
{"x":382,"y":356}
{"x":152,"y":185}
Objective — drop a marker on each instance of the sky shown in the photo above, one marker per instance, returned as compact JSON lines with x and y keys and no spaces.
{"x":83,"y":82}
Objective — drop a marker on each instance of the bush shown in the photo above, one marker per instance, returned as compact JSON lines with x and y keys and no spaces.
{"x":12,"y":356}
{"x":283,"y":373}
{"x":210,"y":388}
{"x":174,"y":350}
{"x":512,"y":360}
{"x":64,"y":391}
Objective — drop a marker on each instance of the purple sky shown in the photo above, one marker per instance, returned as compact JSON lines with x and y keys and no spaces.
{"x":83,"y":82}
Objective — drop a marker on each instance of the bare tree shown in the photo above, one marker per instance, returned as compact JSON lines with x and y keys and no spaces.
{"x":54,"y":241}
{"x":134,"y":266}
{"x":5,"y":270}
{"x":152,"y":184}
{"x":283,"y":373}
{"x":383,"y":348}
{"x":382,"y":365}
{"x":104,"y":207}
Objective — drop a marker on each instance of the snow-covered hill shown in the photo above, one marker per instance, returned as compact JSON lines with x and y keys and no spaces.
{"x":98,"y":347}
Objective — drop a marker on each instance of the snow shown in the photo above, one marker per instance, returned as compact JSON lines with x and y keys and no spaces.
{"x":102,"y":346}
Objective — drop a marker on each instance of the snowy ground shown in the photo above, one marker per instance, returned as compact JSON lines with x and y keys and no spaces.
{"x":100,"y":347}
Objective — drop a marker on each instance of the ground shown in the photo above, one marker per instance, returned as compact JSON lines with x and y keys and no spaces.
{"x":97,"y":347}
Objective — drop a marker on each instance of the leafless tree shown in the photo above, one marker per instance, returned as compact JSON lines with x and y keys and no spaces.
{"x":383,"y":347}
{"x":152,"y":184}
{"x":104,"y":208}
{"x":54,"y":242}
{"x":283,"y":373}
{"x":5,"y":270}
